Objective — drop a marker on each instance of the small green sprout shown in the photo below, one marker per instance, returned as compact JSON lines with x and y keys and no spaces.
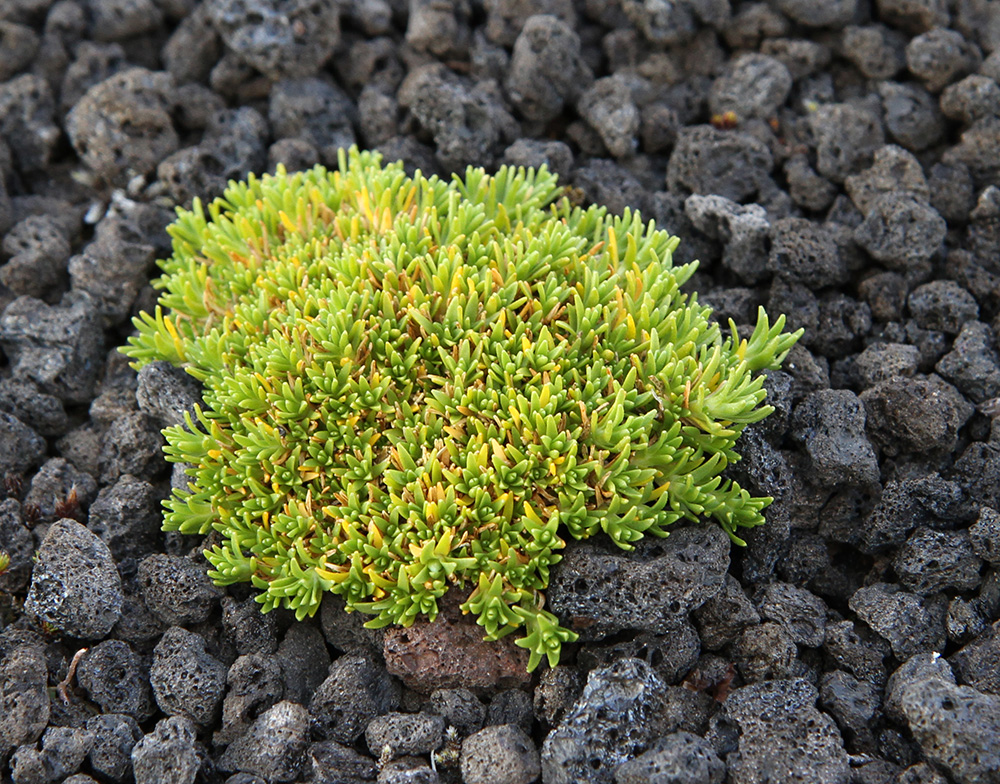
{"x":4,"y":563}
{"x":413,"y":385}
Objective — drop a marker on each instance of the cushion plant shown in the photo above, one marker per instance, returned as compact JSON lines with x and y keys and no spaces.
{"x":412,"y":384}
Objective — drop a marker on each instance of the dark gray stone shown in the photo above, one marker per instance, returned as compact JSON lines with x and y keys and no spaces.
{"x":621,"y":711}
{"x":61,"y":755}
{"x":680,"y":758}
{"x":122,"y":126}
{"x":777,"y":734}
{"x":956,"y":727}
{"x":910,"y":623}
{"x":186,"y":679}
{"x":115,"y":735}
{"x":942,"y":305}
{"x":58,"y":347}
{"x":765,"y":652}
{"x":978,"y":663}
{"x":24,"y":700}
{"x":971,"y":99}
{"x":315,"y":110}
{"x":893,"y":170}
{"x":876,"y":50}
{"x":255,"y":684}
{"x":952,"y":190}
{"x":916,"y":668}
{"x":854,"y":704}
{"x":304,"y":660}
{"x":399,"y":734}
{"x":857,"y":650}
{"x":37,"y":251}
{"x":912,"y":116}
{"x":979,"y":150}
{"x":751,"y":85}
{"x":171,"y":752}
{"x":117,"y":679}
{"x":177,"y":589}
{"x":27,"y":121}
{"x":901,"y":231}
{"x":933,"y":561}
{"x":460,"y":709}
{"x":41,"y":412}
{"x":280,"y":38}
{"x":74,"y":586}
{"x":831,"y":424}
{"x":807,"y":253}
{"x":501,"y":754}
{"x":973,"y":364}
{"x":127,"y":516}
{"x":608,"y":107}
{"x":21,"y":448}
{"x":801,"y":613}
{"x":846,"y":139}
{"x":275,"y":746}
{"x":984,"y":535}
{"x":914,"y":16}
{"x":915,"y":415}
{"x":546,"y":70}
{"x":725,"y":615}
{"x":731,"y":164}
{"x":939,"y":57}
{"x":884,"y":362}
{"x":743,"y":230}
{"x":60,"y":490}
{"x":332,"y":763}
{"x":603,"y":592}
{"x":468,"y":121}
{"x":355,"y":692}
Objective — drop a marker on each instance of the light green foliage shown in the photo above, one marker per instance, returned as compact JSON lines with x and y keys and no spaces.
{"x":412,"y":384}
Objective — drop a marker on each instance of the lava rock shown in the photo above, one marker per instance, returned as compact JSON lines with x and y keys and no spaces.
{"x":315,"y":110}
{"x":917,"y":668}
{"x":973,"y":364}
{"x":650,"y":589}
{"x":807,"y":253}
{"x":546,"y":69}
{"x":254,"y":684}
{"x":122,"y":127}
{"x":608,"y":107}
{"x":280,"y":38}
{"x":37,"y":251}
{"x":62,"y":753}
{"x":910,"y":623}
{"x":971,"y":99}
{"x":744,"y":231}
{"x":127,"y":517}
{"x":355,"y":692}
{"x":938,"y":57}
{"x":74,"y":586}
{"x":984,"y":535}
{"x":332,"y":763}
{"x":502,"y":754}
{"x":893,"y":170}
{"x":846,"y":139}
{"x":171,"y":752}
{"x":177,"y":589}
{"x":398,"y":734}
{"x":777,"y":734}
{"x":876,"y":50}
{"x":831,"y":424}
{"x":883,"y":362}
{"x":58,"y":347}
{"x":751,"y":85}
{"x":932,"y":561}
{"x":620,"y":712}
{"x":275,"y":746}
{"x":117,"y":679}
{"x":21,"y":448}
{"x":27,"y":121}
{"x":682,"y":758}
{"x":725,"y":615}
{"x":956,"y":727}
{"x":901,"y":231}
{"x":764,"y":652}
{"x":304,"y":660}
{"x":915,"y":415}
{"x":460,"y":708}
{"x":24,"y":700}
{"x":731,"y":164}
{"x":912,"y":116}
{"x":801,"y":613}
{"x":115,"y":736}
{"x":186,"y":679}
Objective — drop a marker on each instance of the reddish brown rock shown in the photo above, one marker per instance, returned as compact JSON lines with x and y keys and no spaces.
{"x":450,"y":653}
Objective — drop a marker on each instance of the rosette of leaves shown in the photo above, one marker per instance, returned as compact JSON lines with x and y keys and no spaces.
{"x":412,"y":385}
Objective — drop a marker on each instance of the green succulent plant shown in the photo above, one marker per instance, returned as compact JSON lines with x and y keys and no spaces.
{"x":412,"y":384}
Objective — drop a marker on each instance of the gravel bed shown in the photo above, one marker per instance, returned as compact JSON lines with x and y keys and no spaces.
{"x":834,"y":160}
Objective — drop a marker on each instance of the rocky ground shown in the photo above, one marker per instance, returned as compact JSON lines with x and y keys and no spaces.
{"x":834,"y":160}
